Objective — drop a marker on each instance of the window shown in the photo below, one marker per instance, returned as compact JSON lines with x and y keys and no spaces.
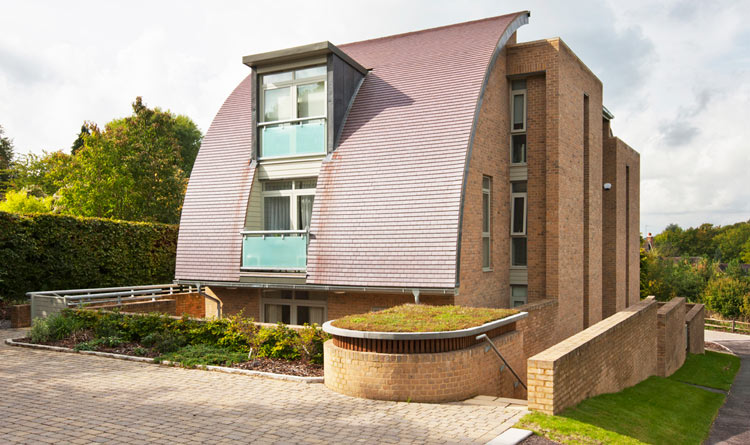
{"x":518,"y":296}
{"x":293,"y":307}
{"x":518,"y":122}
{"x":287,"y":204}
{"x":519,"y":211}
{"x":292,"y":118}
{"x":486,"y":222}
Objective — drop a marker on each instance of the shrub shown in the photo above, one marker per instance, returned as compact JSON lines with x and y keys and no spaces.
{"x":62,"y":325}
{"x":192,"y":355}
{"x":727,"y":296}
{"x":50,"y":251}
{"x":165,"y":341}
{"x":39,"y":331}
{"x":277,"y":342}
{"x":310,"y":343}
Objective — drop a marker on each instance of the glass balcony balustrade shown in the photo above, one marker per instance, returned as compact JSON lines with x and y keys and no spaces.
{"x":274,"y":250}
{"x":293,"y":139}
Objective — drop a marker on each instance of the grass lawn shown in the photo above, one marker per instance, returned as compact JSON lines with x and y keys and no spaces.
{"x":657,"y":410}
{"x":422,"y":318}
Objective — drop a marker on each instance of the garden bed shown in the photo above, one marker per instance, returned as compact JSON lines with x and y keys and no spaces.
{"x":235,"y":342}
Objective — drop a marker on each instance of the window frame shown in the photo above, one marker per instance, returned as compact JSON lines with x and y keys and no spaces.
{"x":292,"y":193}
{"x":512,"y":299}
{"x":292,"y":84}
{"x":293,"y":303}
{"x":525,"y":197}
{"x":525,"y":149}
{"x":487,"y":191}
{"x":513,"y":95}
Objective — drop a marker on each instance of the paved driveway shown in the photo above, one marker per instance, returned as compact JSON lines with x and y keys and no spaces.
{"x":56,"y":397}
{"x":732,"y":425}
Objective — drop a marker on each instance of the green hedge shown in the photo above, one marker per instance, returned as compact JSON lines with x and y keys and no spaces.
{"x":47,"y":252}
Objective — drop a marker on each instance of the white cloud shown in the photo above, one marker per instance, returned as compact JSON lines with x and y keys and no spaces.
{"x":676,"y":73}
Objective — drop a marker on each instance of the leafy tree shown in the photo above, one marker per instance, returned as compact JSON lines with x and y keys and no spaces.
{"x":6,"y":157}
{"x":134,"y":169}
{"x":22,"y":202}
{"x":40,"y":175}
{"x":78,"y":143}
{"x":731,"y":241}
{"x":727,"y":295}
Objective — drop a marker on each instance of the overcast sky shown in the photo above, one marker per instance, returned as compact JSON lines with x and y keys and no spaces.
{"x":676,"y":74}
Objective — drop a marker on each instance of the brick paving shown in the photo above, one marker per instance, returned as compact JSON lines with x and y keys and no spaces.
{"x":53,"y":397}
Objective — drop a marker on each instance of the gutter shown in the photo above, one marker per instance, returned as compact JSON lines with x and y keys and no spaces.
{"x":320,"y":287}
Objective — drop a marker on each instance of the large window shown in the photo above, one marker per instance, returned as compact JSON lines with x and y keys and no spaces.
{"x":293,"y":307}
{"x":486,"y":222}
{"x":292,"y":118}
{"x":519,"y":211}
{"x":518,"y":122}
{"x":287,"y":204}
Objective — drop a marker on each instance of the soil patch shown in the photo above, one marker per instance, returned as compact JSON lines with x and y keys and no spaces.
{"x":278,"y":366}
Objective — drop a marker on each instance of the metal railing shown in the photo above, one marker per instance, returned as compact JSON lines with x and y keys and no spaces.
{"x":118,"y":295}
{"x":497,"y":351}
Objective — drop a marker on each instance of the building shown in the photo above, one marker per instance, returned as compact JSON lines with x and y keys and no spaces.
{"x":454,"y":165}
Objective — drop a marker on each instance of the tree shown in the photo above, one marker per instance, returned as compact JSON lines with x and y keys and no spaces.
{"x":40,"y":175}
{"x":6,"y":157}
{"x":134,"y":169}
{"x":22,"y":202}
{"x":78,"y":143}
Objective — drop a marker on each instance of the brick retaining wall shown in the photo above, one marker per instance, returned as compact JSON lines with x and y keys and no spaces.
{"x":671,"y":344}
{"x":695,"y":319}
{"x":613,"y":354}
{"x":20,"y":315}
{"x":437,"y":377}
{"x":168,"y":307}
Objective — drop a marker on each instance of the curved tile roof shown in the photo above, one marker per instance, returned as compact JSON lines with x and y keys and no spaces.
{"x":387,"y":207}
{"x":209,"y":245}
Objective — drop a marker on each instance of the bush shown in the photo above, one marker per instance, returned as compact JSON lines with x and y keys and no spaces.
{"x":311,"y":339}
{"x":39,"y":331}
{"x":728,"y":296}
{"x":192,"y":355}
{"x":277,"y":342}
{"x":164,"y":342}
{"x":50,"y":251}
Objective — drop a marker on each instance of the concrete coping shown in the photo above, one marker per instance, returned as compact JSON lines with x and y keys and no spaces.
{"x":468,"y":332}
{"x":693,"y":311}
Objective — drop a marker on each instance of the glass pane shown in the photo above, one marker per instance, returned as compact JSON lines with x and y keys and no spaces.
{"x":304,"y":211}
{"x":275,"y":313}
{"x":486,"y":252}
{"x":310,"y":315}
{"x":519,"y":149}
{"x":485,"y":212}
{"x":277,"y":294}
{"x":519,"y":187}
{"x":310,"y":137}
{"x":277,"y":77}
{"x":519,"y":84}
{"x":293,"y":139}
{"x":519,"y":251}
{"x":486,"y":182}
{"x":307,"y":184}
{"x":276,"y":213}
{"x":314,"y":71}
{"x":269,"y":186}
{"x":311,"y":100}
{"x":518,"y":291}
{"x":275,"y":252}
{"x":518,"y":214}
{"x":276,"y":104}
{"x":518,"y":112}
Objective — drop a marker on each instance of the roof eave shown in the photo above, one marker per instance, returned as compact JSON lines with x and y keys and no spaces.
{"x":298,"y":53}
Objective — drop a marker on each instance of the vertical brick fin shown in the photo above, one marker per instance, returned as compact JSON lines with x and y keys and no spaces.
{"x":209,"y":245}
{"x":387,"y":207}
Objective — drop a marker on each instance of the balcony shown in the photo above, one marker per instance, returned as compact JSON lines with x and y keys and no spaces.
{"x":293,"y":138}
{"x":274,"y":250}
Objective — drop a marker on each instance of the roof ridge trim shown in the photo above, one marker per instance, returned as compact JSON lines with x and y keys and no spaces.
{"x":521,"y":19}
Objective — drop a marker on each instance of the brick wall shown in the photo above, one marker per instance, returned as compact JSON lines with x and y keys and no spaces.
{"x":695,"y":320}
{"x":613,"y":354}
{"x":671,"y":344}
{"x":20,"y":315}
{"x":191,"y":304}
{"x":168,"y":307}
{"x":443,"y":377}
{"x":234,"y":301}
{"x":538,"y":327}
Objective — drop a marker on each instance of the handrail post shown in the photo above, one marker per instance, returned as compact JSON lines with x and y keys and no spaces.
{"x":485,"y":337}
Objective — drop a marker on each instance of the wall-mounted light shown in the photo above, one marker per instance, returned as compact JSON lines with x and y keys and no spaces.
{"x":607,"y":186}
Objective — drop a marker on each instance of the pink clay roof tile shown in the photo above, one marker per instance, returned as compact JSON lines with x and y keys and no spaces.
{"x":387,"y":205}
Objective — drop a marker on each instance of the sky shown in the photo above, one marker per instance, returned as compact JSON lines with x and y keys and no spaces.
{"x":676,"y":74}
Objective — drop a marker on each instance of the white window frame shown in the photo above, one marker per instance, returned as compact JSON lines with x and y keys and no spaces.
{"x":294,"y":83}
{"x":293,"y":303}
{"x":488,"y":235}
{"x":525,"y":148}
{"x":293,"y":194}
{"x":513,"y":197}
{"x":513,"y":95}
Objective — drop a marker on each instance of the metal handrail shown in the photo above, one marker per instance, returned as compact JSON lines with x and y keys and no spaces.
{"x":73,"y":297}
{"x":484,"y":337}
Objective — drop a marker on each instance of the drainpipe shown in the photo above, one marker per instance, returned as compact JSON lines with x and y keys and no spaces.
{"x":416,"y":295}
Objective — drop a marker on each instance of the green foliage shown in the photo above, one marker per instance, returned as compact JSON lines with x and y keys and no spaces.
{"x":47,"y":251}
{"x":6,"y":157}
{"x":721,"y":243}
{"x":42,"y":175}
{"x":97,"y":343}
{"x":80,"y":142}
{"x":202,"y":354}
{"x":22,"y":202}
{"x":136,"y":169}
{"x":164,"y":342}
{"x":668,"y":278}
{"x":277,"y":342}
{"x":61,"y":325}
{"x":310,"y":343}
{"x":40,"y":331}
{"x":728,"y":296}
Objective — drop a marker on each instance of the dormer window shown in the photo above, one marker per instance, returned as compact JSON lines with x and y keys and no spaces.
{"x":292,"y":118}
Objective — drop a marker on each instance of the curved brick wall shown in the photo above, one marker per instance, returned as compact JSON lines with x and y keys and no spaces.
{"x":432,"y":377}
